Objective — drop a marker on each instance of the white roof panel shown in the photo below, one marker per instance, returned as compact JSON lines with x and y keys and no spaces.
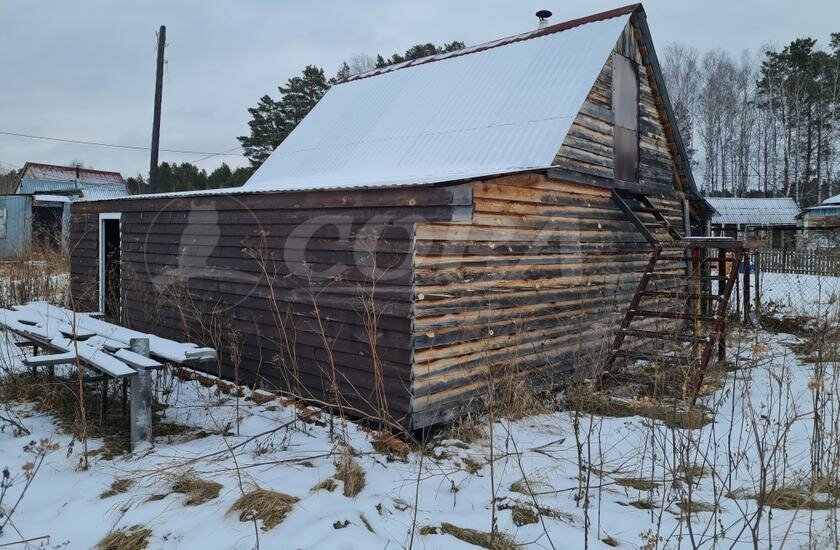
{"x":497,"y":108}
{"x":831,"y":200}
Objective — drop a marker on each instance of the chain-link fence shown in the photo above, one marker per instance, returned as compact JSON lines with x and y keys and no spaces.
{"x":797,"y":284}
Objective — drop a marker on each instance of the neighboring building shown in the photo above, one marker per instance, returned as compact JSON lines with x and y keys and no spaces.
{"x":773,"y":221}
{"x":40,"y":208}
{"x":429,"y":227}
{"x":821,"y":224}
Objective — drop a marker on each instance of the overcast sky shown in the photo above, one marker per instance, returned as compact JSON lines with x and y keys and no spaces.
{"x":85,"y":69}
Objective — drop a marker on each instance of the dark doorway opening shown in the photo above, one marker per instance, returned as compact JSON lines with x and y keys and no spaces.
{"x":111,"y":269}
{"x":46,"y":226}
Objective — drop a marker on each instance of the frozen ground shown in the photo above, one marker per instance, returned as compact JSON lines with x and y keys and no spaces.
{"x":764,"y":434}
{"x":805,"y":295}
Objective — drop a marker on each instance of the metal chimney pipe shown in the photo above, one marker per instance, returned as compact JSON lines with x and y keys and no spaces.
{"x":543,"y":16}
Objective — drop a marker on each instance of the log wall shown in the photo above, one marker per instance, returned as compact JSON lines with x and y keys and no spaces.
{"x":535,"y":285}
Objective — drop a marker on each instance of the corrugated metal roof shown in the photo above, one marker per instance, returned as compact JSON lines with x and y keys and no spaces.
{"x":831,"y":200}
{"x":103,"y":191}
{"x":90,"y":184}
{"x":52,"y":172}
{"x":749,"y":211}
{"x":489,"y":110}
{"x":88,"y":190}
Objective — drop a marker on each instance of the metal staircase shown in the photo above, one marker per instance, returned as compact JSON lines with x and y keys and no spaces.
{"x":685,"y":296}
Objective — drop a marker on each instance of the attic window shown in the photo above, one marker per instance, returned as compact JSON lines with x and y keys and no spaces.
{"x":625,"y":103}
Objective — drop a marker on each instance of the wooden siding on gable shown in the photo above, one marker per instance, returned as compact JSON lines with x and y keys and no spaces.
{"x":587,"y":154}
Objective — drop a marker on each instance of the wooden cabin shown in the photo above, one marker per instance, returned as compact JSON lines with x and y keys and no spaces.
{"x":821,"y":225}
{"x":770,"y":220}
{"x":430,"y":230}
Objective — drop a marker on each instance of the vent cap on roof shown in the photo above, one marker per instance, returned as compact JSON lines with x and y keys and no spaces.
{"x":543,"y":15}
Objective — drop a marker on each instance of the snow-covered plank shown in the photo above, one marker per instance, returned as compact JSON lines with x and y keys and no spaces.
{"x":168,"y":350}
{"x":101,"y":360}
{"x":70,"y":331}
{"x":23,"y":322}
{"x":136,"y":360}
{"x":50,"y":360}
{"x":201,"y":354}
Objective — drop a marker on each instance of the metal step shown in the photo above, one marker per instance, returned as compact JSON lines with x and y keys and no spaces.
{"x":672,"y":315}
{"x":666,"y":359}
{"x":667,"y":336}
{"x":679,"y":295}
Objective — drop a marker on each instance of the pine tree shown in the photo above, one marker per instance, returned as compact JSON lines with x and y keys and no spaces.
{"x":418,"y":51}
{"x":300,"y":94}
{"x":271,"y":121}
{"x":220,"y":177}
{"x":136,"y":185}
{"x":268,"y":129}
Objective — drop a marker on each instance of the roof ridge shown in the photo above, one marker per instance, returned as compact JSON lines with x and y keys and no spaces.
{"x":550,"y":29}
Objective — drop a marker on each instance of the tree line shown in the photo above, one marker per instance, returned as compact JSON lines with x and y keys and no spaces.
{"x":761,"y":124}
{"x":189,"y":177}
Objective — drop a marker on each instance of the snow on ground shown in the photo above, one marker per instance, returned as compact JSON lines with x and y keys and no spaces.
{"x":805,"y":295}
{"x":764,"y":416}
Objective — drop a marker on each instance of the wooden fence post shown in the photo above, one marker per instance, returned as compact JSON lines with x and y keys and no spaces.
{"x":746,"y":261}
{"x":757,"y":278}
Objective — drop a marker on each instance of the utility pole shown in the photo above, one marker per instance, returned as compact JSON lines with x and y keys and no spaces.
{"x":153,"y":163}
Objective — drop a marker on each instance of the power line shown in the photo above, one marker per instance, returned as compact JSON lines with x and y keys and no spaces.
{"x":217,"y":154}
{"x":118,"y":146}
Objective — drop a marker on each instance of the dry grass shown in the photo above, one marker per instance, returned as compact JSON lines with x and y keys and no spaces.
{"x":390,"y":444}
{"x":328,"y":484}
{"x":692,"y":473}
{"x":821,"y":345}
{"x":792,"y":498}
{"x":61,"y":400}
{"x":610,"y":541}
{"x":641,"y":504}
{"x":350,"y":473}
{"x":40,"y":274}
{"x":695,"y":507}
{"x":197,"y":490}
{"x":522,"y":515}
{"x":637,"y":483}
{"x":671,"y":413}
{"x":521,"y":397}
{"x":269,"y":507}
{"x":126,"y":538}
{"x":468,"y":428}
{"x":497,"y":541}
{"x":117,"y":487}
{"x":530,"y":487}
